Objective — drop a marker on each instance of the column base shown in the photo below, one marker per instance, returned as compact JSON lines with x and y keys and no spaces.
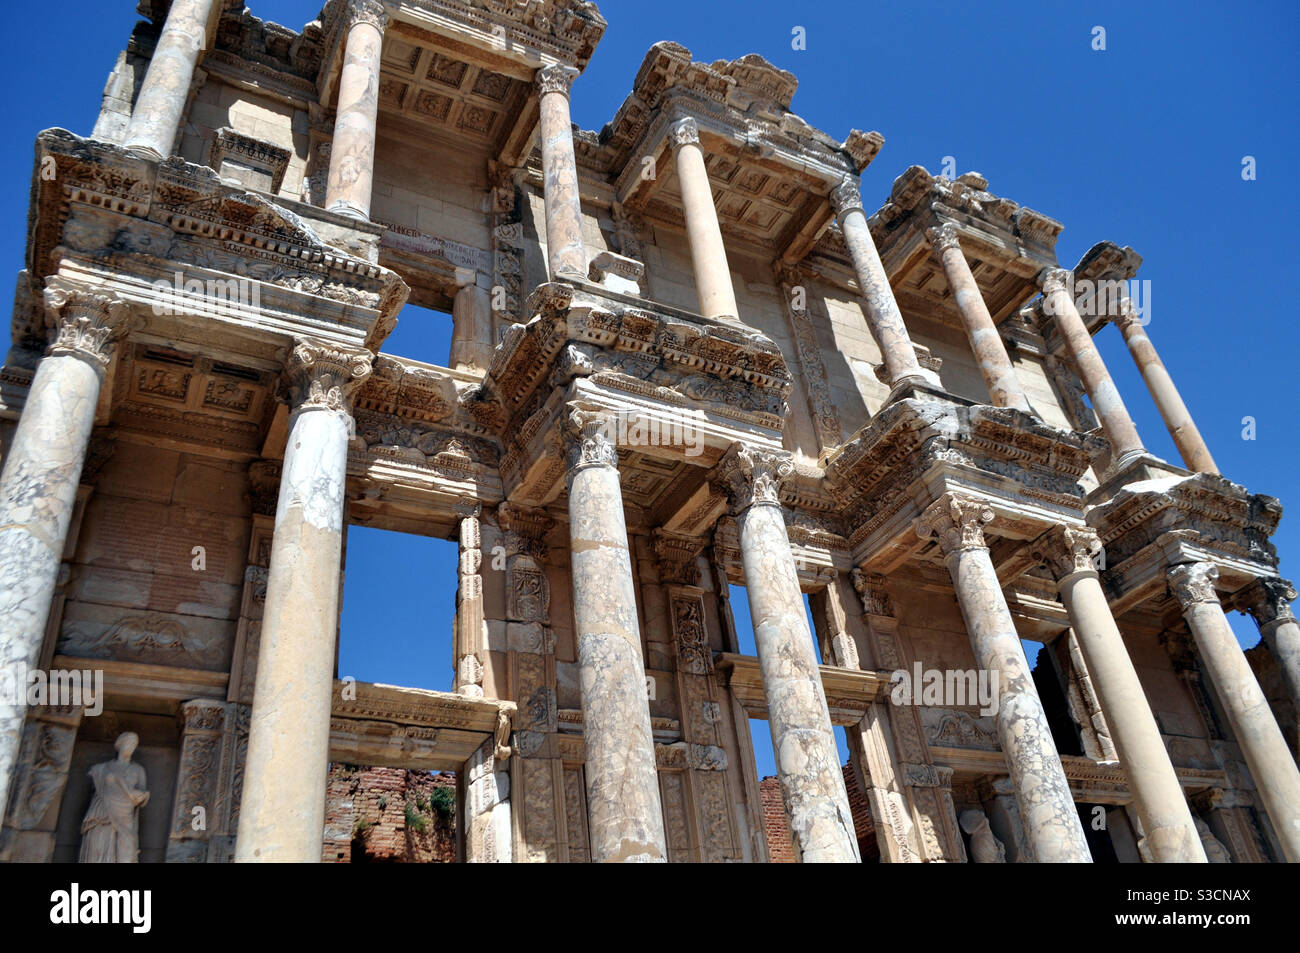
{"x":144,"y":151}
{"x":349,"y":211}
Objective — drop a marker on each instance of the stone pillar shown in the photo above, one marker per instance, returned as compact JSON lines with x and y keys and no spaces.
{"x":1168,"y":401}
{"x":352,"y":153}
{"x":807,"y":760}
{"x":38,"y":486}
{"x":1047,"y":810}
{"x":566,"y":254}
{"x":1106,"y":401}
{"x":40,"y":778}
{"x":625,"y":817}
{"x":1269,"y":603}
{"x":282,"y":814}
{"x":1248,"y":712}
{"x":883,"y":317}
{"x":471,"y":327}
{"x":156,"y":118}
{"x":1170,"y":831}
{"x":470,"y":629}
{"x":198,"y":776}
{"x":708,"y":254}
{"x":985,"y":340}
{"x":486,"y":781}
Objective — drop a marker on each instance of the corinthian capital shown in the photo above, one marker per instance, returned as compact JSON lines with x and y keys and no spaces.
{"x":1067,"y":549}
{"x":1193,"y":583}
{"x":1268,"y":600}
{"x":366,"y":11}
{"x":845,"y":197}
{"x":684,"y":132}
{"x":958,"y":521}
{"x":943,"y":237}
{"x":590,"y":437}
{"x":82,"y":322}
{"x":556,"y":78}
{"x":1052,"y":280}
{"x":324,"y":376}
{"x":753,"y":475}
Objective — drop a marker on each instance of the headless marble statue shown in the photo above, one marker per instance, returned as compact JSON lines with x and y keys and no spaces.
{"x":110,"y":832}
{"x":985,"y":848}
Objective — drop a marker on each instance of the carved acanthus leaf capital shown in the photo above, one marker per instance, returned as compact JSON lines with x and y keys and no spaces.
{"x":367,"y":11}
{"x":83,"y":322}
{"x":684,"y":132}
{"x":1067,"y":549}
{"x":958,"y":521}
{"x":1053,"y":280}
{"x":556,"y":78}
{"x":324,"y":376}
{"x":1193,"y":584}
{"x":678,"y":557}
{"x":871,"y":589}
{"x":754,"y":475}
{"x":943,"y":237}
{"x":846,"y":197}
{"x":1268,"y":600}
{"x":590,"y":438}
{"x":525,"y":528}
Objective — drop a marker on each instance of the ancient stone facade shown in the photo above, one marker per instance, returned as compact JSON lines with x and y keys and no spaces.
{"x":684,"y":357}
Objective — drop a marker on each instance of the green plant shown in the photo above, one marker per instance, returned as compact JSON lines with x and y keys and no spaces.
{"x":361,"y":828}
{"x":444,"y":802}
{"x":383,"y":802}
{"x":415,"y":821}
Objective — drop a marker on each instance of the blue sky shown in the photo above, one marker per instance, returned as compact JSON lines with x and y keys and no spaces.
{"x":1141,"y":144}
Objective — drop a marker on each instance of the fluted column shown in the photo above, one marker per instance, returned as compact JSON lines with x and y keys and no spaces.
{"x":1252,"y":721}
{"x":352,"y":153}
{"x":807,"y":760}
{"x":566,"y":254}
{"x":985,"y":340}
{"x":1106,"y":401}
{"x":883,"y":317}
{"x":1269,"y":603}
{"x":1051,"y":820}
{"x":471,"y":328}
{"x":156,"y":117}
{"x":38,"y":487}
{"x":708,"y":254}
{"x":625,"y":818}
{"x":1170,"y":831}
{"x":1173,"y":411}
{"x":282,"y":813}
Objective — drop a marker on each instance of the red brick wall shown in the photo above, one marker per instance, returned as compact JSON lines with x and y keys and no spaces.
{"x":366,"y":816}
{"x":779,"y":846}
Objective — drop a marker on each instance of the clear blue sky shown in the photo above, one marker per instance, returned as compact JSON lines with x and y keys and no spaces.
{"x":1141,"y":144}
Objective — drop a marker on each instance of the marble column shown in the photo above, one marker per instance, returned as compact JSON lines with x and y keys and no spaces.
{"x":807,"y":760}
{"x":1268,"y":600}
{"x":38,"y":486}
{"x":282,"y":812}
{"x":623,"y":809}
{"x":470,"y":630}
{"x":985,"y":340}
{"x":1051,"y":821}
{"x":883,"y":317}
{"x":156,"y":117}
{"x":566,"y":255}
{"x":1170,"y":831}
{"x":471,"y":329}
{"x":1106,"y":401}
{"x":1173,"y":411}
{"x":708,"y":254}
{"x":1252,"y":721}
{"x":352,"y":153}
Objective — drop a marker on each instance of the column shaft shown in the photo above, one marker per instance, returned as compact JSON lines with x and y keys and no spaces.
{"x":565,"y":252}
{"x":985,"y":340}
{"x":883,"y":317}
{"x":1170,"y":831}
{"x":708,"y":254}
{"x":156,"y":118}
{"x":623,"y":808}
{"x":1173,"y":411}
{"x":803,"y":740}
{"x":471,"y":333}
{"x":1106,"y":401}
{"x":38,"y":489}
{"x":1051,"y":821}
{"x":282,"y":812}
{"x":1268,"y":601}
{"x":352,"y":153}
{"x":1252,"y":721}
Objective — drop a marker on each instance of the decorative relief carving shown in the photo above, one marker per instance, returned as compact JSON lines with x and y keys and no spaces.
{"x":1268,"y":599}
{"x":684,"y":132}
{"x":371,"y":12}
{"x":1193,"y":584}
{"x":846,"y":197}
{"x":83,"y":322}
{"x":556,"y":78}
{"x":943,"y":238}
{"x":324,"y":376}
{"x":589,"y":437}
{"x":958,"y":521}
{"x":753,"y":475}
{"x":694,"y":656}
{"x":1067,"y":549}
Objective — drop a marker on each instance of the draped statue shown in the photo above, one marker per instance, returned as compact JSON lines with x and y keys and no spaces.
{"x":110,"y":832}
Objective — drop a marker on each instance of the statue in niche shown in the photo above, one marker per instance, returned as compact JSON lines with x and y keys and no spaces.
{"x":985,"y":848}
{"x":110,"y":832}
{"x":1215,"y":851}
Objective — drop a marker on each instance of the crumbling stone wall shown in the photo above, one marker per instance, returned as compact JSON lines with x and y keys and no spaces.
{"x":389,"y":815}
